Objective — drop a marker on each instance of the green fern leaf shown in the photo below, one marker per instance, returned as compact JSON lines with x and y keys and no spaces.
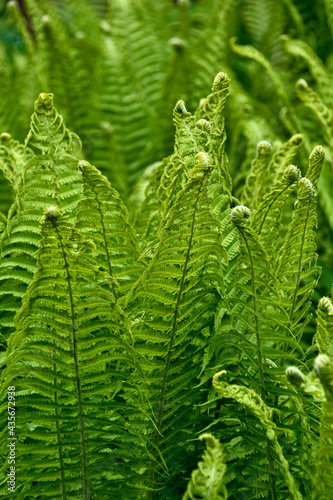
{"x":174,"y":301}
{"x":207,"y":482}
{"x":65,"y":360}
{"x":324,"y":334}
{"x":257,"y":406}
{"x":49,"y":177}
{"x":314,"y":102}
{"x":266,"y":221}
{"x":299,"y":248}
{"x":252,"y":193}
{"x":323,"y":482}
{"x":103,"y":217}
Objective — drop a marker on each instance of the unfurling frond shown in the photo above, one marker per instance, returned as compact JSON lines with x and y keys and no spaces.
{"x":267,"y":218}
{"x":252,"y":193}
{"x":299,"y":247}
{"x":316,"y":160}
{"x":47,"y":123}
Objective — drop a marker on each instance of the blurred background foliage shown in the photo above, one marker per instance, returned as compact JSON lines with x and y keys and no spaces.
{"x":117,"y":68}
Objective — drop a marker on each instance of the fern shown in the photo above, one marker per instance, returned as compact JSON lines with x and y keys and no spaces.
{"x":207,"y":482}
{"x":103,"y":217}
{"x":70,"y":342}
{"x":267,"y":218}
{"x":299,"y":246}
{"x":323,"y":479}
{"x":325,"y":326}
{"x":252,"y":193}
{"x":258,"y":407}
{"x":48,"y":176}
{"x":148,"y":314}
{"x":180,"y":283}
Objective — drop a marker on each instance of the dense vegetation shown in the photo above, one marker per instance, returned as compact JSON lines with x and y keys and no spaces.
{"x":165,"y":271}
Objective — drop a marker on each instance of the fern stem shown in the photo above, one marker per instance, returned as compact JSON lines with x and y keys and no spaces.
{"x":260,"y":366}
{"x":168,"y":357}
{"x":61,"y":461}
{"x":268,"y":209}
{"x":299,"y":270}
{"x":55,"y":186}
{"x":77,"y":372}
{"x":105,"y":240}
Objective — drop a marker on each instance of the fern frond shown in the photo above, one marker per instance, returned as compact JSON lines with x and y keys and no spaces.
{"x":266,"y":221}
{"x":132,"y":79}
{"x":323,"y":481}
{"x":263,"y":21}
{"x":297,"y":260}
{"x":252,"y":194}
{"x":208,"y":33}
{"x":66,"y":360}
{"x":256,"y":283}
{"x":146,"y":219}
{"x":252,"y":321}
{"x":103,"y":217}
{"x":46,"y":123}
{"x":316,"y":160}
{"x":171,"y":300}
{"x":250,"y":329}
{"x":265,"y":173}
{"x":284,"y":154}
{"x":257,"y":406}
{"x":300,"y":49}
{"x":12,"y":159}
{"x":252,"y":53}
{"x":314,"y":102}
{"x":324,"y":334}
{"x":207,"y":482}
{"x":210,"y":111}
{"x":49,"y":177}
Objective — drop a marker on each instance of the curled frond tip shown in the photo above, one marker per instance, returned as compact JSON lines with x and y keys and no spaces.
{"x":292,"y":174}
{"x":52,"y":212}
{"x":220,"y":81}
{"x":180,"y":107}
{"x":240,"y":215}
{"x":44,"y":103}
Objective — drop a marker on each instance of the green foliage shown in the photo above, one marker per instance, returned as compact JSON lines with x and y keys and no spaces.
{"x":42,"y":173}
{"x":207,"y":482}
{"x":143,"y":259}
{"x":323,"y":479}
{"x":65,"y":361}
